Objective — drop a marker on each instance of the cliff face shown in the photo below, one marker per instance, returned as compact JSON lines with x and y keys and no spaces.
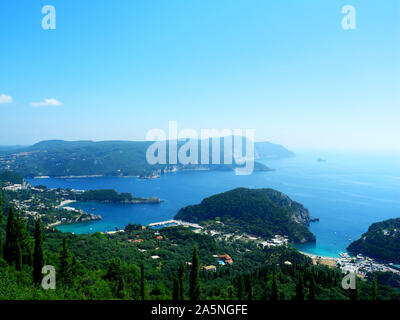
{"x":259,"y":212}
{"x":87,"y":217}
{"x":296,"y":211}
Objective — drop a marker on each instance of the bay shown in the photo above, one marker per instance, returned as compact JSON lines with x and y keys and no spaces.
{"x":347,"y":192}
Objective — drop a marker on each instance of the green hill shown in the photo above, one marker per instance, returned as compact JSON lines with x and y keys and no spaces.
{"x":381,"y":241}
{"x":259,"y":212}
{"x":9,"y":177}
{"x":59,"y":158}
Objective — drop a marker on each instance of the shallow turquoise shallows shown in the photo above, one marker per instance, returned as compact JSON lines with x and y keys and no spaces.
{"x":347,"y":192}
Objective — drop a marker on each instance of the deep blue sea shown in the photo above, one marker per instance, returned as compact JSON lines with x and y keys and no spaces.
{"x":348,"y":192}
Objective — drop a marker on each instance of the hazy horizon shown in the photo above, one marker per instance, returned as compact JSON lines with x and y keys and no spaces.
{"x":304,"y":150}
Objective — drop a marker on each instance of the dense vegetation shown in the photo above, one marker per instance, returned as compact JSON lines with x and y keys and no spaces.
{"x":381,"y":241}
{"x":143,"y":263}
{"x":106,"y":195}
{"x":116,"y":158}
{"x":164,"y":264}
{"x":9,"y":177}
{"x":259,"y":212}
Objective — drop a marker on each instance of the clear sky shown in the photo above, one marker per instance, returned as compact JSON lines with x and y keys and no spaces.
{"x":287,"y":69}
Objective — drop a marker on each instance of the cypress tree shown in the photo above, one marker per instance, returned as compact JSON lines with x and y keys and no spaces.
{"x":275,"y":292}
{"x":11,"y":245}
{"x":121,"y":288}
{"x":240,"y":287}
{"x":142,"y":289}
{"x":231,"y":292}
{"x":374,"y":290}
{"x":38,"y":254}
{"x":181,"y":281}
{"x":175,"y":289}
{"x":311,"y":290}
{"x":194,"y":289}
{"x":65,"y":264}
{"x":74,"y":267}
{"x":1,"y":226}
{"x":18,"y":257}
{"x":250,"y":290}
{"x":24,"y":239}
{"x":300,"y":289}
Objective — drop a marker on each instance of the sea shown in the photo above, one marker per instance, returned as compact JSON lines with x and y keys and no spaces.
{"x":346,"y":191}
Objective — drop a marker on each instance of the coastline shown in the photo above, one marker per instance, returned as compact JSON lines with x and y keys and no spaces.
{"x":64,"y":203}
{"x":327,"y":261}
{"x":314,"y":256}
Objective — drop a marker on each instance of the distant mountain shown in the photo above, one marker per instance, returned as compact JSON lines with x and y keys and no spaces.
{"x":381,"y":241}
{"x":58,"y":158}
{"x":10,"y":148}
{"x":268,"y":150}
{"x":259,"y":212}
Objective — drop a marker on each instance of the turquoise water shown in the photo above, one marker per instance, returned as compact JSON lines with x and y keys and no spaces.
{"x":347,"y":192}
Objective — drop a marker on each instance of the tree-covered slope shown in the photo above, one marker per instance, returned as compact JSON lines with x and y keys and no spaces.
{"x":381,"y":241}
{"x":76,"y":158}
{"x":260,"y":212}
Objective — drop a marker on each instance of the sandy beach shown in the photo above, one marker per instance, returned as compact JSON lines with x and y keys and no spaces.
{"x":64,"y":203}
{"x":328,"y":261}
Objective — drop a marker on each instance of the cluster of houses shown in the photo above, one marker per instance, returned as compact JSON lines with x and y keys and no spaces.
{"x":277,"y":240}
{"x":16,"y":187}
{"x":139,"y":240}
{"x":362,"y":265}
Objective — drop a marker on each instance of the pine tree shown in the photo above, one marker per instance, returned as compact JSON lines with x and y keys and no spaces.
{"x":65,"y":264}
{"x":1,"y":226}
{"x":311,"y":289}
{"x":38,"y":255}
{"x":181,"y":282}
{"x":374,"y":290}
{"x":142,"y":288}
{"x":194,"y":289}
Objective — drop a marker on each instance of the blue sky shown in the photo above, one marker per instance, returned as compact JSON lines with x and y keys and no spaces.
{"x":286,"y":69}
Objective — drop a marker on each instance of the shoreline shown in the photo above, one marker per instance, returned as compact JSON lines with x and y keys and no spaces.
{"x":317,"y":257}
{"x":65,"y":202}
